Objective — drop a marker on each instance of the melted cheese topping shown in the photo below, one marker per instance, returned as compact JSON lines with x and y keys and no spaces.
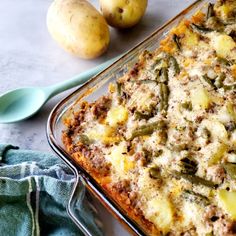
{"x":168,"y":135}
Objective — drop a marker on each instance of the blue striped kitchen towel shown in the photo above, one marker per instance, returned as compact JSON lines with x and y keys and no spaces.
{"x":34,"y":192}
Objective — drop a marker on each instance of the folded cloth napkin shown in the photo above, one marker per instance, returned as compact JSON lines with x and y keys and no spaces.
{"x":34,"y":191}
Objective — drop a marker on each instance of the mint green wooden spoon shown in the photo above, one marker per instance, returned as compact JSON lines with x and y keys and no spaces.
{"x":22,"y":103}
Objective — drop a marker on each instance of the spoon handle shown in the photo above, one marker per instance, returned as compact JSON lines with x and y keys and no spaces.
{"x":78,"y":79}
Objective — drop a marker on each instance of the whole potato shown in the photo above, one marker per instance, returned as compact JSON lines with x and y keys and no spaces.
{"x":123,"y":13}
{"x":78,"y":28}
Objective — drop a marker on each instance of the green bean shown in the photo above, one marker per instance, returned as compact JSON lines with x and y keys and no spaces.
{"x":224,"y":61}
{"x":230,"y":169}
{"x":161,"y":103}
{"x":140,"y":115}
{"x":161,"y":75}
{"x":158,"y":152}
{"x":164,"y":94}
{"x":219,"y":80}
{"x":230,"y":21}
{"x":175,"y":64}
{"x":176,"y":40}
{"x":229,"y":86}
{"x":200,"y":29}
{"x":147,"y":81}
{"x":195,"y":179}
{"x":210,"y":10}
{"x":163,"y":137}
{"x":215,"y":24}
{"x":197,"y":198}
{"x":147,"y":129}
{"x":188,"y":165}
{"x":156,"y":62}
{"x":148,"y":155}
{"x":84,"y":139}
{"x":187,"y":105}
{"x":180,"y":128}
{"x":118,"y":85}
{"x":209,"y":234}
{"x":209,"y":81}
{"x":164,"y":75}
{"x":157,"y":74}
{"x":154,"y":172}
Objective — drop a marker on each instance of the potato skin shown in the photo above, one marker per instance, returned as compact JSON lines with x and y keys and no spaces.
{"x":78,"y":28}
{"x":123,"y":13}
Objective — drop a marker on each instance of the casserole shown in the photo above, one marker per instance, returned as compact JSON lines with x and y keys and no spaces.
{"x":186,"y":172}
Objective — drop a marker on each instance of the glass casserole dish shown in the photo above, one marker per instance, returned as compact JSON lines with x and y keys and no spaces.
{"x":92,"y":90}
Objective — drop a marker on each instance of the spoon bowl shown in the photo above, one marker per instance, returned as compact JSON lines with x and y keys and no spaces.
{"x":21,"y":104}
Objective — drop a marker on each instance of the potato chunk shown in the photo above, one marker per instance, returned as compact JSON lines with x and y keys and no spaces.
{"x":117,"y":115}
{"x":217,"y":129}
{"x":120,"y":160}
{"x":200,"y":99}
{"x":103,"y":133}
{"x":227,"y":201}
{"x":160,"y":211}
{"x":226,"y":10}
{"x":225,"y":46}
{"x":190,"y":39}
{"x":214,"y":152}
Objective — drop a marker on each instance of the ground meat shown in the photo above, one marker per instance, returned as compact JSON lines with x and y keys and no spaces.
{"x":101,"y":107}
{"x":134,"y":71}
{"x":122,"y":186}
{"x":138,"y":66}
{"x":199,"y":119}
{"x":220,"y":223}
{"x":95,"y":158}
{"x":230,"y":126}
{"x":224,"y":227}
{"x":232,"y":228}
{"x":98,"y":161}
{"x":124,"y":189}
{"x":216,"y":173}
{"x":133,"y":195}
{"x":181,"y":139}
{"x":190,"y":232}
{"x":140,"y":158}
{"x":211,"y":213}
{"x":79,"y":116}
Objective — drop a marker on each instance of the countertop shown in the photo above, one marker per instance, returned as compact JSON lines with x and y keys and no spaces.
{"x":29,"y":57}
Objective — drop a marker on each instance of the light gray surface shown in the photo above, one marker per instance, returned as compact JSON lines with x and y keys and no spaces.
{"x":29,"y":57}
